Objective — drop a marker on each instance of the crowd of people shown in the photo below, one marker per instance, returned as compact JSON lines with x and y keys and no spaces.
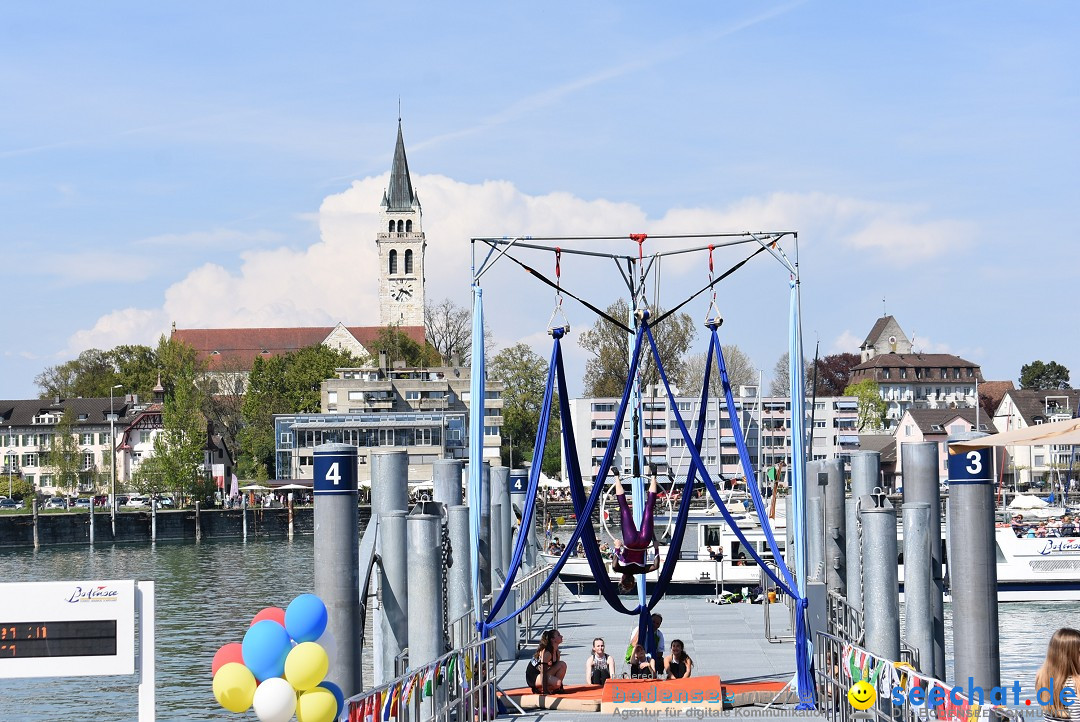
{"x":1057,"y":527}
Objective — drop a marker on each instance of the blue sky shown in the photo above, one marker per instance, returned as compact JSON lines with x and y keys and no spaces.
{"x":220,"y":164}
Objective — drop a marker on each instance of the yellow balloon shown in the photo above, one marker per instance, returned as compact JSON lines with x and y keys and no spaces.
{"x":234,"y":687}
{"x":306,"y":666}
{"x":316,"y":705}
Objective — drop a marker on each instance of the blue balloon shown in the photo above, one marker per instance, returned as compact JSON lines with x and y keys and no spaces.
{"x":338,"y":695}
{"x":305,"y":618}
{"x":264,"y":649}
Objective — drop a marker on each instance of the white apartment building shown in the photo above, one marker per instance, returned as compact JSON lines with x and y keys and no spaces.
{"x":1022,"y":408}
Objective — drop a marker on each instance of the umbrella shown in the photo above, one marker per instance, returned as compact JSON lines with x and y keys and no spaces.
{"x":292,"y":487}
{"x":254,"y":487}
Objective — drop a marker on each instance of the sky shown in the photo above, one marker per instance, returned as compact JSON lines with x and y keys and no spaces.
{"x":221,"y":165}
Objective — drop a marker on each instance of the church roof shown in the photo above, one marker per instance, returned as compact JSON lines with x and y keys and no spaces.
{"x":235,"y":349}
{"x":400,"y":195}
{"x":876,"y":331}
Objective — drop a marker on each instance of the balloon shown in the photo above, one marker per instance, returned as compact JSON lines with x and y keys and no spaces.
{"x":305,"y":619}
{"x":274,"y":614}
{"x":306,"y":666}
{"x":265,"y":647}
{"x":275,"y":700}
{"x":328,"y":643}
{"x":316,"y":705}
{"x":338,"y":695}
{"x":228,"y":653}
{"x":234,"y":687}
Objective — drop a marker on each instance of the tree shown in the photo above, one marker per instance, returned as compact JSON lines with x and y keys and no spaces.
{"x":607,"y":370}
{"x":781,"y":383}
{"x":61,"y":457}
{"x":180,"y":445}
{"x":741,"y":372}
{"x":524,"y":372}
{"x":1039,"y":375}
{"x":833,"y":373}
{"x":872,"y":408}
{"x":397,"y":346}
{"x":89,"y":375}
{"x":448,"y":328}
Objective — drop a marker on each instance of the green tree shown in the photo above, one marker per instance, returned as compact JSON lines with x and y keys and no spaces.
{"x":397,"y":346}
{"x":606,"y":371}
{"x":525,"y":373}
{"x":61,"y":456}
{"x":179,"y":446}
{"x":89,"y":375}
{"x":872,"y":408}
{"x":1040,"y":376}
{"x":137,"y":369}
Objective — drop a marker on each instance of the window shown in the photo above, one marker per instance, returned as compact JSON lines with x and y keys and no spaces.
{"x":491,"y":431}
{"x":29,"y":460}
{"x":386,"y":437}
{"x":884,"y":373}
{"x":1039,"y":460}
{"x":408,"y":261}
{"x":408,"y":226}
{"x":685,"y":406}
{"x":286,"y":438}
{"x":11,"y":461}
{"x":907,"y":429}
{"x":415,"y":396}
{"x":401,"y":226}
{"x":46,"y":480}
{"x":88,"y":461}
{"x":103,"y":438}
{"x":678,"y":442}
{"x":391,"y":228}
{"x":331,"y":397}
{"x":599,"y":443}
{"x":423,"y":437}
{"x":603,"y":408}
{"x":86,"y":439}
{"x":393,"y":262}
{"x":356,"y":396}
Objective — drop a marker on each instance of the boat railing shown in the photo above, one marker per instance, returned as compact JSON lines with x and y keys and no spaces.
{"x":531,"y":620}
{"x":459,"y":685}
{"x":843,"y":620}
{"x":772,"y":596}
{"x":838,"y":665}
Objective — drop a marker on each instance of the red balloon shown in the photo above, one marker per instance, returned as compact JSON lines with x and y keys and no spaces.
{"x":274,"y":614}
{"x":231,"y":652}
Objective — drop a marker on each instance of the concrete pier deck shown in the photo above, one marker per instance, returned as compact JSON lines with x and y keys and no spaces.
{"x":727,"y":641}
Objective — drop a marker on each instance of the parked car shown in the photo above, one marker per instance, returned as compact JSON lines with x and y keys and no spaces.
{"x":6,"y":503}
{"x":138,"y":501}
{"x":166,"y":502}
{"x":56,"y":502}
{"x":83,"y":502}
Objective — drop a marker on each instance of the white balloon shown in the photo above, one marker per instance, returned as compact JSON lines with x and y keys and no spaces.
{"x":275,"y":700}
{"x":329,"y":645}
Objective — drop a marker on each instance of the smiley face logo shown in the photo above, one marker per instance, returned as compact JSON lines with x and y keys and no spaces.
{"x":861,"y":695}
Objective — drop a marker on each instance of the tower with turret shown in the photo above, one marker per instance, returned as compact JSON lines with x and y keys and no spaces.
{"x":401,"y":247}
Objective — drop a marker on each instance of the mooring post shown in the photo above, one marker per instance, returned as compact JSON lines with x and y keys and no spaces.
{"x":34,"y":510}
{"x":835,"y":527}
{"x":881,"y":587}
{"x":337,"y":558}
{"x":91,"y":521}
{"x":865,"y":473}
{"x":425,"y":613}
{"x":458,"y":589}
{"x":918,"y":607}
{"x":153,"y":519}
{"x":519,"y":483}
{"x":198,"y":522}
{"x":815,"y":521}
{"x":446,"y":481}
{"x":484,"y":543}
{"x":920,"y":465}
{"x":500,"y":494}
{"x":243,"y":515}
{"x":390,"y":501}
{"x":973,"y":564}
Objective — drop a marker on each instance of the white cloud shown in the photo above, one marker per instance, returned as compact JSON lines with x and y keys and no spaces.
{"x":847,"y":342}
{"x":334,"y":279}
{"x":218,"y":238}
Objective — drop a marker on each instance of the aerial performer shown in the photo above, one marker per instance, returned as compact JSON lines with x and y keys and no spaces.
{"x":629,"y":559}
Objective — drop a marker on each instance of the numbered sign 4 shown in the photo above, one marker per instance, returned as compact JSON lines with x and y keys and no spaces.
{"x":335,"y":469}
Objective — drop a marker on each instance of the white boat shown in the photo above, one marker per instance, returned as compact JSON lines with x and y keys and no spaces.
{"x":1028,"y":569}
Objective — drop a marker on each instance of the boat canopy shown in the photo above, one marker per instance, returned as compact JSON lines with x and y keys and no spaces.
{"x":1056,"y":432}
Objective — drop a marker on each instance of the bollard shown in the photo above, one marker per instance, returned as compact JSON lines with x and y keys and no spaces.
{"x":446,"y":481}
{"x":198,"y":522}
{"x":484,"y":543}
{"x":337,"y":559}
{"x":519,"y":483}
{"x":425,"y":614}
{"x":920,"y":462}
{"x":974,"y":563}
{"x":459,"y":576}
{"x":91,"y":521}
{"x":815,"y":521}
{"x":389,"y":481}
{"x":34,"y":510}
{"x":835,"y":528}
{"x":498,"y":566}
{"x":290,"y":501}
{"x":865,"y":477}
{"x":918,"y":607}
{"x":391,"y":625}
{"x":153,"y":519}
{"x":500,"y":494}
{"x":881,"y":587}
{"x":243,"y":515}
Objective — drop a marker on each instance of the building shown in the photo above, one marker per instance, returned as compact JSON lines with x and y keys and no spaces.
{"x":230,"y":352}
{"x":909,"y":380}
{"x":1022,"y":408}
{"x":424,"y":411}
{"x":28,"y":433}
{"x":936,"y":425}
{"x":833,"y":421}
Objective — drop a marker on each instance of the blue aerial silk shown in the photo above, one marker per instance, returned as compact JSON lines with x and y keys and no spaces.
{"x":476,"y":443}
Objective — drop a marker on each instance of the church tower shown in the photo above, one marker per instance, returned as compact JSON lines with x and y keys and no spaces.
{"x":401,"y":246}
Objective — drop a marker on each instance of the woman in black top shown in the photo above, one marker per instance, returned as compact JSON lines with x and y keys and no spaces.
{"x":678,"y":663}
{"x":547,"y":660}
{"x":642,"y":666}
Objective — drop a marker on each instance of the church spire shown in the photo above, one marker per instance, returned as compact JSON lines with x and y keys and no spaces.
{"x":400,"y":195}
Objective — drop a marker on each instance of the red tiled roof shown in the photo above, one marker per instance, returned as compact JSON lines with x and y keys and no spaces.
{"x":235,"y":349}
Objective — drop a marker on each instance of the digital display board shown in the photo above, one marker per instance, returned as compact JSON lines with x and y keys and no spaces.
{"x":90,"y":638}
{"x":63,"y":629}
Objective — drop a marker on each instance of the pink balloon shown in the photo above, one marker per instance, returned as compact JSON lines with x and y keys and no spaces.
{"x":231,"y":652}
{"x":274,"y":614}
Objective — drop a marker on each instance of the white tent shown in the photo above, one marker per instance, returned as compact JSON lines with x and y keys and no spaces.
{"x":1026,"y":501}
{"x":546,"y":482}
{"x":1056,"y":432}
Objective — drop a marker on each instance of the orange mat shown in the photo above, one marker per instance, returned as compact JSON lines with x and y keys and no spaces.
{"x":639,"y":694}
{"x":676,"y":693}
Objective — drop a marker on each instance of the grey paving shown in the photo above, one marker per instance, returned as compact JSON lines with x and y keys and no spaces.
{"x":724,"y":640}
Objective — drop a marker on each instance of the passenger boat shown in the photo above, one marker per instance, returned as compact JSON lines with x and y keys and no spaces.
{"x":1028,"y":569}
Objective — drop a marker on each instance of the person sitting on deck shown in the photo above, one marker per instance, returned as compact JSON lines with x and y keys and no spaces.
{"x":546,"y":662}
{"x":600,"y":666}
{"x":678,"y":664}
{"x":642,"y":666}
{"x":630,"y":555}
{"x":658,"y":639}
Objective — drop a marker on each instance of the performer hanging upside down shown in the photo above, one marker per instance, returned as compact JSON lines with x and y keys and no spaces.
{"x":630,"y":554}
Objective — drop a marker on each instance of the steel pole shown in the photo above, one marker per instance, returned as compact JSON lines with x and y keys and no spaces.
{"x":918,"y":607}
{"x":425,"y":614}
{"x":921,"y":464}
{"x":835,"y":527}
{"x":459,"y":576}
{"x":881,"y":588}
{"x":446,"y":480}
{"x":865,"y":477}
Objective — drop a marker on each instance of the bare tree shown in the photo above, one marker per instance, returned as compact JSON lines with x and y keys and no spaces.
{"x":741,"y":372}
{"x":780,"y":384}
{"x":448,"y":327}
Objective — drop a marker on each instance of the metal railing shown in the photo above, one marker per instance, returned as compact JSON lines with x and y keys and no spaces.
{"x":529,"y":628}
{"x":772,"y":594}
{"x":843,"y":620}
{"x":458,"y":686}
{"x":838,"y":665}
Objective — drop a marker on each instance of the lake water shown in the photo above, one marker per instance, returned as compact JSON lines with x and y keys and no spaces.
{"x":207,"y":593}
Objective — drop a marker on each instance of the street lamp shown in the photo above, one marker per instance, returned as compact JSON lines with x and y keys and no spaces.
{"x":112,"y":459}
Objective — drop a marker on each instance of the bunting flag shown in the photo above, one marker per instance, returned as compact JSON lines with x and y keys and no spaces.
{"x":409,"y":687}
{"x":451,"y":668}
{"x":429,"y":683}
{"x":369,"y":710}
{"x":468,"y":666}
{"x":356,"y":711}
{"x":388,"y":706}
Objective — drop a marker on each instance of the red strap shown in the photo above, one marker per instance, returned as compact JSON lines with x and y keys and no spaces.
{"x":558,"y":267}
{"x":640,"y":238}
{"x":710,"y":259}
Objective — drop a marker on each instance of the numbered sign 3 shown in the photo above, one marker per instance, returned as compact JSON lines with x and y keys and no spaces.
{"x":335,"y":469}
{"x":972,"y":466}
